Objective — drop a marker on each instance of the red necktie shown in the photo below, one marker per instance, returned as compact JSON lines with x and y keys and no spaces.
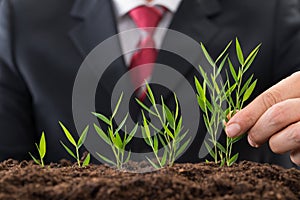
{"x":144,"y":17}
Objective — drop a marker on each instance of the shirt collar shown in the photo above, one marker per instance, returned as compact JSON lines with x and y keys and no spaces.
{"x":122,"y":7}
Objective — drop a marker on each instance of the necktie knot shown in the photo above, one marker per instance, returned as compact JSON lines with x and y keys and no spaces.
{"x":145,"y":16}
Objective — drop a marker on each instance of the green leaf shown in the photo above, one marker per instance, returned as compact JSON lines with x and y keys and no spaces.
{"x":210,"y":150}
{"x":102,"y":134}
{"x":251,"y":57}
{"x":145,"y":107}
{"x":155,"y":143}
{"x":229,"y":91}
{"x":232,"y":71}
{"x":145,"y":137}
{"x":164,"y":157}
{"x":199,"y":88}
{"x":163,"y":113}
{"x":206,"y":79}
{"x":221,"y":65}
{"x":170,"y":134}
{"x":68,"y":134}
{"x":209,"y":59}
{"x":82,"y":137}
{"x":42,"y":146}
{"x":228,"y":141}
{"x":153,"y":164}
{"x":169,"y":116}
{"x":201,"y":103}
{"x":37,"y":147}
{"x":161,"y":140}
{"x":106,"y":159}
{"x":68,"y":150}
{"x":223,"y":52}
{"x":176,"y":106}
{"x":86,"y":161}
{"x":239,"y":51}
{"x":118,"y":141}
{"x":209,"y":106}
{"x":150,"y":94}
{"x":128,"y":157}
{"x":246,"y":85}
{"x":249,"y":91}
{"x":34,"y":159}
{"x":131,"y":134}
{"x":122,"y":123}
{"x":238,"y":138}
{"x":178,"y":128}
{"x":233,"y":159}
{"x":155,"y":129}
{"x":221,"y":148}
{"x":117,"y":106}
{"x":111,"y":134}
{"x":181,"y":137}
{"x":182,"y":148}
{"x":146,"y":126}
{"x":102,"y":118}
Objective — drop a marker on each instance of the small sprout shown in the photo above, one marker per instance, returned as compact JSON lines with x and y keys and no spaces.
{"x":171,"y":136}
{"x":77,"y":145}
{"x":233,"y":94}
{"x":113,"y":138}
{"x":42,"y":151}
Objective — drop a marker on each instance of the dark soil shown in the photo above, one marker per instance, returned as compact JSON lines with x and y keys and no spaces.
{"x":246,"y":180}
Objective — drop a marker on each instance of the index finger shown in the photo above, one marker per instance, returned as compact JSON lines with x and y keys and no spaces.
{"x":243,"y":120}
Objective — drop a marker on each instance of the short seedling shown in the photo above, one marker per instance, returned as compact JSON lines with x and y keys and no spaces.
{"x":42,"y":151}
{"x":114,"y":139}
{"x":170,"y":136}
{"x":222,"y":94}
{"x":77,"y":145}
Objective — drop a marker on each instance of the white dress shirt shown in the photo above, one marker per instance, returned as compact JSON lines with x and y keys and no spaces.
{"x":124,"y":22}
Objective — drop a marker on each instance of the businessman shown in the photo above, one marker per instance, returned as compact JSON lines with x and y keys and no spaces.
{"x":43,"y":43}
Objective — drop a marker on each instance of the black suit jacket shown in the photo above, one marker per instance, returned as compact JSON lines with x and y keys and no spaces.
{"x":43,"y":43}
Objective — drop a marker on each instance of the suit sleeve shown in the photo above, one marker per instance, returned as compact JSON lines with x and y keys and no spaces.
{"x":287,"y":38}
{"x":16,"y":115}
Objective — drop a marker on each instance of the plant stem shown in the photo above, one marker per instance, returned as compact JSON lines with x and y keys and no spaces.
{"x":77,"y":155}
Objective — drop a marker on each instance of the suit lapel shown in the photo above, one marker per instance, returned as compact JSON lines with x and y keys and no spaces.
{"x":95,"y":23}
{"x":193,"y":18}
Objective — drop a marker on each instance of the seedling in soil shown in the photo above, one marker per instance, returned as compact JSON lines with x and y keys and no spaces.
{"x":232,"y":94}
{"x":77,"y":145}
{"x":170,"y":136}
{"x":42,"y":151}
{"x":113,"y":138}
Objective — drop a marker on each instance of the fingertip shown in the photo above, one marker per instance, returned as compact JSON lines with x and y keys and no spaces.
{"x":250,"y":141}
{"x":295,"y":157}
{"x":233,"y":130}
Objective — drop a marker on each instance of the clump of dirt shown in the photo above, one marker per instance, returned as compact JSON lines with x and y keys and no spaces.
{"x":246,"y":180}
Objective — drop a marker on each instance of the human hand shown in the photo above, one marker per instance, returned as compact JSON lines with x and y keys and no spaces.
{"x":273,"y":116}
